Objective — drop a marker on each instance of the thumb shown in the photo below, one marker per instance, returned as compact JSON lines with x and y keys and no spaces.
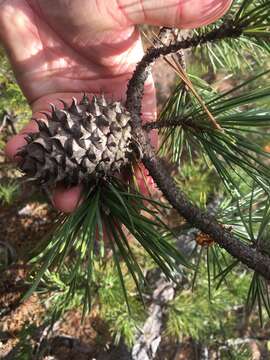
{"x":172,"y":13}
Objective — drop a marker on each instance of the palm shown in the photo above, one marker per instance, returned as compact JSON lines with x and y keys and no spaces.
{"x":61,"y":48}
{"x":64,"y":62}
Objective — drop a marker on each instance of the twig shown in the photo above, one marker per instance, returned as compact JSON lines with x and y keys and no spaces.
{"x":8,"y":120}
{"x":164,"y":38}
{"x":170,"y":123}
{"x":4,"y":123}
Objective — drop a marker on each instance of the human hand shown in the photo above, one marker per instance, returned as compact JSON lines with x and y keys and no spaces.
{"x":61,"y":48}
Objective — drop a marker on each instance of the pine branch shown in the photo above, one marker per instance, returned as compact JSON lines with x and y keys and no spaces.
{"x":113,"y":206}
{"x":247,"y":51}
{"x":251,"y":21}
{"x":202,"y":220}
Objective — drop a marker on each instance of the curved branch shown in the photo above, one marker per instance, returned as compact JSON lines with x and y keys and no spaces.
{"x":202,"y":220}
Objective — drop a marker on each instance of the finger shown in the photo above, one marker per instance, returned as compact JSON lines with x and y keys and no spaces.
{"x":67,"y":200}
{"x":173,"y":13}
{"x":149,"y":108}
{"x":103,"y":15}
{"x":18,"y":141}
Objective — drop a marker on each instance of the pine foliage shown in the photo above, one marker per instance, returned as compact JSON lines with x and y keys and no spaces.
{"x":249,"y":50}
{"x":72,"y":266}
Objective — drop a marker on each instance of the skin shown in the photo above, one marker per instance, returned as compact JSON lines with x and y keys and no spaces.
{"x":62,"y":48}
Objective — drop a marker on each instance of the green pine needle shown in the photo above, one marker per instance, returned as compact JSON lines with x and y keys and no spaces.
{"x":233,"y":152}
{"x":110,"y":211}
{"x":247,"y":50}
{"x":249,"y":218}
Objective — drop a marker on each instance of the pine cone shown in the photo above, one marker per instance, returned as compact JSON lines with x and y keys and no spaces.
{"x":83,"y":141}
